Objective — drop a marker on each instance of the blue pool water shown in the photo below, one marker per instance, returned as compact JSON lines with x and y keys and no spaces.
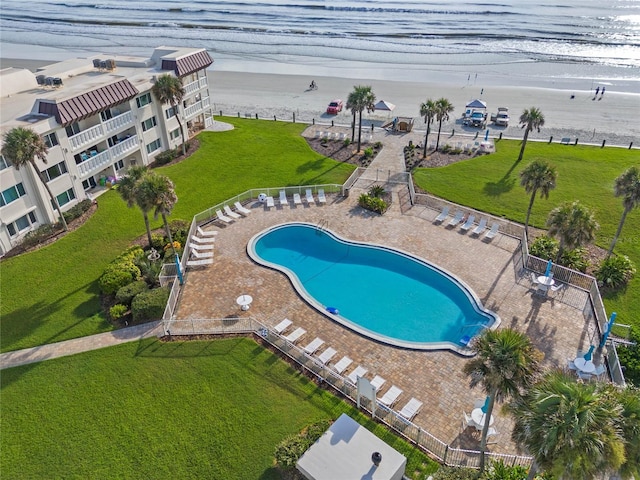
{"x":383,"y":293}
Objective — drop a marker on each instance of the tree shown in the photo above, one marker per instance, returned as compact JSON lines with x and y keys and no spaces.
{"x":573,"y":224}
{"x":505,"y":364}
{"x":573,"y":430}
{"x":362,"y":97}
{"x":21,"y":147}
{"x":531,"y":118}
{"x":443,"y":109}
{"x":169,"y":89}
{"x":627,"y":186}
{"x":128,"y":186}
{"x":156,"y":192}
{"x":537,"y":176}
{"x":428,"y":110}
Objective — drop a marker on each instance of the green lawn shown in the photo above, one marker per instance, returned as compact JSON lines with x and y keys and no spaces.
{"x":213,"y":409}
{"x":61,"y":300}
{"x":491,"y":183}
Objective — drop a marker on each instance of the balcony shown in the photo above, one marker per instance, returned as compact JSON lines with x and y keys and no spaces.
{"x":192,"y":110}
{"x":87,"y":137}
{"x":192,"y":87}
{"x":94,"y":164}
{"x":124,"y":147}
{"x":122,"y":121}
{"x":206,"y":102}
{"x":203,"y":82}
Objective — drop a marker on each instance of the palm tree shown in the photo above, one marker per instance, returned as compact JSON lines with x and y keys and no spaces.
{"x":531,"y":118}
{"x":360,"y":98}
{"x":572,"y":429}
{"x":21,"y":147}
{"x":428,"y":110}
{"x":128,"y":186}
{"x":169,"y":89}
{"x":505,"y":363}
{"x":627,"y":186}
{"x":443,"y":109}
{"x":573,"y":224}
{"x":629,"y":398}
{"x":537,"y":176}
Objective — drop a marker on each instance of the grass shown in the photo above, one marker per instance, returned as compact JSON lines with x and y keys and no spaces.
{"x":201,"y":409}
{"x":491,"y":183}
{"x":62,"y":302}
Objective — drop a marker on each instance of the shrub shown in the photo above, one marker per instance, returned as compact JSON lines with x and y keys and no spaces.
{"x":38,"y":235}
{"x":446,"y":148}
{"x":615,"y":271}
{"x":149,"y":305}
{"x":77,"y":210}
{"x":114,"y":279}
{"x":455,"y":473}
{"x":377,"y":145}
{"x":544,"y":247}
{"x":179,"y":230}
{"x":346,"y":142}
{"x":372,"y":203}
{"x":165,"y":157}
{"x":630,"y":358}
{"x":289,"y":451}
{"x":125,"y":294}
{"x":575,"y":259}
{"x":118,"y":311}
{"x":376,"y":191}
{"x":368,"y":152}
{"x":500,"y":471}
{"x":157,"y":241}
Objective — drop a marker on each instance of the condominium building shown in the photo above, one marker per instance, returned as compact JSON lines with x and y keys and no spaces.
{"x":97,"y":116}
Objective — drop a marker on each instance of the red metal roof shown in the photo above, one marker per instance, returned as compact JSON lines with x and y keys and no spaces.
{"x":188,"y":64}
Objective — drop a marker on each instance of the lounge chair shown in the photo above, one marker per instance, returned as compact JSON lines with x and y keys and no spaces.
{"x":282,"y":326}
{"x":321,"y":197}
{"x":482,"y":226}
{"x":244,"y":211}
{"x":296,"y":199}
{"x":294,"y":336}
{"x":205,"y":246}
{"x":467,"y":225}
{"x":342,"y":365}
{"x":468,"y":422}
{"x":391,"y":396}
{"x":327,"y":355}
{"x":377,"y":382}
{"x":309,"y":197}
{"x":494,"y":230}
{"x":206,"y":233}
{"x":456,"y":219}
{"x":283,"y":198}
{"x":221,"y":216}
{"x":197,"y":239}
{"x":411,"y":409}
{"x":199,"y":263}
{"x":443,"y":214}
{"x":313,"y":346}
{"x":270,"y":202}
{"x":557,"y":286}
{"x":231,"y":213}
{"x":201,"y":255}
{"x":359,"y":371}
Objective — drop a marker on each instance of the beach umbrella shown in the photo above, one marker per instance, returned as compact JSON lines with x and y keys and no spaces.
{"x":547,"y":272}
{"x":486,"y":135}
{"x":612,"y":320}
{"x":588,"y":355}
{"x":486,"y":405}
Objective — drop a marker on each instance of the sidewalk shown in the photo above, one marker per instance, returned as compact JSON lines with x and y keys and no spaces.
{"x":79,"y":345}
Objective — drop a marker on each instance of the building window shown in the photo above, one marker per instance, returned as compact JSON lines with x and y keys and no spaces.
{"x":153,"y":146}
{"x":72,"y":129}
{"x":119,"y":165}
{"x":11,"y":194}
{"x":89,"y":183}
{"x":174,"y":134}
{"x":22,"y":224}
{"x":143,"y":100}
{"x":65,"y":197}
{"x":149,"y":123}
{"x":55,"y":171}
{"x":4,"y":163}
{"x":170,"y":112}
{"x":50,"y":139}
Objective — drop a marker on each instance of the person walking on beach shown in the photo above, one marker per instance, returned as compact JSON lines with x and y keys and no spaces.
{"x":602,"y":93}
{"x":597,"y":90}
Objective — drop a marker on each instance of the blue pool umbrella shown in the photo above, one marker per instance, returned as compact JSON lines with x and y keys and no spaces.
{"x":547,"y":272}
{"x":587,"y":356}
{"x":612,"y":320}
{"x":486,"y":135}
{"x":486,"y":405}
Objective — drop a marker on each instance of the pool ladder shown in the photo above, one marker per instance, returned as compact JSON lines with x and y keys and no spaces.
{"x":322,"y":225}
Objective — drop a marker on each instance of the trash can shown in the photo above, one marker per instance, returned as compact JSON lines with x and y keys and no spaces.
{"x":346,"y":192}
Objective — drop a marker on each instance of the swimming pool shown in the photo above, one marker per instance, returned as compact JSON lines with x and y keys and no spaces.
{"x":383,"y":293}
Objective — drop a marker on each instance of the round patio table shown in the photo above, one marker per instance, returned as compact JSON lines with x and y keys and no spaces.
{"x":478,"y":417}
{"x":586,"y":366}
{"x":244,"y":301}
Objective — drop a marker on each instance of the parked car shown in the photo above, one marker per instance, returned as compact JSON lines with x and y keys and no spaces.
{"x":335,"y":107}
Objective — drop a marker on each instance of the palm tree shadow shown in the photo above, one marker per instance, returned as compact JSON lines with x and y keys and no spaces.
{"x":495,"y":189}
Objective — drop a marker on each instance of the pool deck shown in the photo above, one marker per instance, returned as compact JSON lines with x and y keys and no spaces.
{"x":434,"y":377}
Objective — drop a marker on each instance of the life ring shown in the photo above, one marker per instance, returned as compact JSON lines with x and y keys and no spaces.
{"x":333,"y":310}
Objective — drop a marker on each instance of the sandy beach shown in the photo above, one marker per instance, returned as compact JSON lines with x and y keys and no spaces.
{"x":569,"y":113}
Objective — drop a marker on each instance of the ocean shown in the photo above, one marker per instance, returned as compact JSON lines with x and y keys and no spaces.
{"x":530,"y":39}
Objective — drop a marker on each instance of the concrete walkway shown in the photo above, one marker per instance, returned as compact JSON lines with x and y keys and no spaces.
{"x":79,"y":345}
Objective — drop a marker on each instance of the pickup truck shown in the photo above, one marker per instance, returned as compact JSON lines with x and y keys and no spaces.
{"x":501,"y":119}
{"x":477,"y":119}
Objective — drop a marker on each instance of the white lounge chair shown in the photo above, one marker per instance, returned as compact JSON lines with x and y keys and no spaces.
{"x":205,"y":246}
{"x":377,"y":382}
{"x":391,"y":396}
{"x":481,"y":227}
{"x":231,"y":213}
{"x":321,"y":197}
{"x":359,"y":371}
{"x":201,"y":255}
{"x":342,"y":365}
{"x":283,"y":198}
{"x":557,"y":286}
{"x":309,"y":197}
{"x":296,"y":199}
{"x":467,"y":225}
{"x":207,"y":233}
{"x":221,"y":216}
{"x":456,"y":219}
{"x":468,"y":422}
{"x":313,"y":346}
{"x":199,"y":263}
{"x":294,"y":336}
{"x":282,"y":326}
{"x":208,"y":240}
{"x":244,"y":211}
{"x":327,"y":355}
{"x":494,"y":230}
{"x":411,"y":409}
{"x":270,"y":202}
{"x":443,"y":214}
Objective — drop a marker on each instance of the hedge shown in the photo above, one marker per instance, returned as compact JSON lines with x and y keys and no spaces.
{"x":149,"y":305}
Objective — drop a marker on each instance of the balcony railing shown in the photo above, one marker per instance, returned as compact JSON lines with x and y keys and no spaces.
{"x":206,"y":102}
{"x":120,"y":122}
{"x":203,"y":82}
{"x":192,"y":87}
{"x":86,"y":137}
{"x":192,"y":110}
{"x":121,"y":149}
{"x":94,"y":164}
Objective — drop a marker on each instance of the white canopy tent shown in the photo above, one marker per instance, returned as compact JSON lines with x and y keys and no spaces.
{"x":382,"y":105}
